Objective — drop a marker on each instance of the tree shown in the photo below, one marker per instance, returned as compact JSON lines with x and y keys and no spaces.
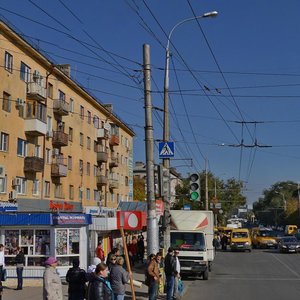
{"x":139,"y":189}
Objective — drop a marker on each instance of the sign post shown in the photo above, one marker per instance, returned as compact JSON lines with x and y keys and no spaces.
{"x":126,"y":254}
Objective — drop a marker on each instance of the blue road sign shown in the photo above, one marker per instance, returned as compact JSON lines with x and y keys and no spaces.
{"x":166,"y":149}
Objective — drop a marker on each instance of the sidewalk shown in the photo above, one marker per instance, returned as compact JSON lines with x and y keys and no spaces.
{"x":33,"y":288}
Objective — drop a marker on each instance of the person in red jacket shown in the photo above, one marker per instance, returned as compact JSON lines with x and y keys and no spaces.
{"x":132,"y":250}
{"x":100,"y":252}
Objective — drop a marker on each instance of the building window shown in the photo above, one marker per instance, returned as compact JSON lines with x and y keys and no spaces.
{"x":36,"y":187}
{"x":70,"y":134}
{"x":71,"y":105}
{"x":95,"y":146}
{"x":50,"y":90}
{"x":88,"y":194}
{"x":81,"y":114}
{"x":88,"y":143}
{"x":96,"y":195}
{"x":37,"y":151}
{"x":88,"y":169}
{"x":96,"y":122}
{"x":6,"y":102}
{"x":58,"y":190}
{"x":95,"y":170}
{"x":48,"y":156}
{"x":126,"y":181}
{"x":3,"y":181}
{"x":25,"y":72}
{"x":4,"y":137}
{"x":61,"y":95}
{"x":80,"y":193}
{"x":70,"y":163}
{"x":80,"y":166}
{"x":22,"y":148}
{"x":112,"y":197}
{"x":34,"y":242}
{"x":22,"y":188}
{"x":47,"y":189}
{"x":8,"y":62}
{"x":67,"y":243}
{"x":81,"y":139}
{"x":71,"y":192}
{"x":89,"y":117}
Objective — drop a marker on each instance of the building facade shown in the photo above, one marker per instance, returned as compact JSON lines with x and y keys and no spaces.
{"x":61,"y":151}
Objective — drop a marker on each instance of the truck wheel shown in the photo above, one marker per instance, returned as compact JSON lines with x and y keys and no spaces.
{"x":205,"y":274}
{"x":209,"y":267}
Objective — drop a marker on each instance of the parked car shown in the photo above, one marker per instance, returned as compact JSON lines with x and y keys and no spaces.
{"x":289,"y":244}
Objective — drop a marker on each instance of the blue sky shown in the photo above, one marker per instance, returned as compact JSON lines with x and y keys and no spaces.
{"x":240,"y":66}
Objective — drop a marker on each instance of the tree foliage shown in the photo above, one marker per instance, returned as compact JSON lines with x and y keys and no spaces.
{"x":139,"y":193}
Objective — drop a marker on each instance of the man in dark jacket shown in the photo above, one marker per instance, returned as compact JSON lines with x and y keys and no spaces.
{"x":170,"y":271}
{"x":76,"y":278}
{"x":20,"y":262}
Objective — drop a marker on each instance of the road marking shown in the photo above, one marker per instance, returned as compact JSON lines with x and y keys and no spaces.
{"x":255,"y":279}
{"x":284,"y":264}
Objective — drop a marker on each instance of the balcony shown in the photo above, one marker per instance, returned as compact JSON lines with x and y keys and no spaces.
{"x":36,"y":91}
{"x":60,"y":139}
{"x":102,"y":134}
{"x":35,"y":119}
{"x":102,"y":157}
{"x":114,"y":162}
{"x":101,"y":181}
{"x":59,"y":168}
{"x":33,"y":164}
{"x":61,"y":107}
{"x":114,"y":140}
{"x":113,"y":184}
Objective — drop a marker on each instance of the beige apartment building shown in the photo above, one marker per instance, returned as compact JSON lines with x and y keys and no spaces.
{"x":60,"y":149}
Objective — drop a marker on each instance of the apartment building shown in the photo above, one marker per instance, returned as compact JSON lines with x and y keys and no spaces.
{"x":61,"y":151}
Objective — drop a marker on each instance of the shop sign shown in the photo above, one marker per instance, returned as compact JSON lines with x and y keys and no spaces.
{"x":8,"y":207}
{"x":71,"y":219}
{"x":159,"y":207}
{"x":131,"y":220}
{"x":93,"y":210}
{"x":60,"y":206}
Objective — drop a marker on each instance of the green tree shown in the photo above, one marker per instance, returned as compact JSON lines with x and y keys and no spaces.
{"x":139,"y":193}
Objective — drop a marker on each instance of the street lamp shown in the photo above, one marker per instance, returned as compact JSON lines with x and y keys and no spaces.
{"x":166,"y":129}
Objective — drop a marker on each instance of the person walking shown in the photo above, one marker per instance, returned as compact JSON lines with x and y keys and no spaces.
{"x":176,"y":294}
{"x":170,"y":271}
{"x":99,"y":287}
{"x":2,"y":266}
{"x":153,"y":275}
{"x":100,"y":252}
{"x":20,"y":262}
{"x":76,"y":277}
{"x":118,"y":278}
{"x":52,"y":287}
{"x":132,"y":250}
{"x":140,"y":248}
{"x":111,"y":262}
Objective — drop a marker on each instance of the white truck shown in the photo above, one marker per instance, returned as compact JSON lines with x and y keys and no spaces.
{"x":192,"y":233}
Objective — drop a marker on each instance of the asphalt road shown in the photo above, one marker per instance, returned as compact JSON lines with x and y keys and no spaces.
{"x":259,"y":275}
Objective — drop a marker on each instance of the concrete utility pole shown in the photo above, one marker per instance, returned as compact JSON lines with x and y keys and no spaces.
{"x":206,"y":186}
{"x":152,"y":226}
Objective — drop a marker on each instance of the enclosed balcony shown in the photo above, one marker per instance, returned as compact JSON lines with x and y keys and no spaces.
{"x":36,"y":91}
{"x":35,"y":119}
{"x":101,"y":181}
{"x":61,"y":107}
{"x":114,"y":140}
{"x":102,"y":134}
{"x":59,"y":168}
{"x":113,"y":184}
{"x":114,"y":161}
{"x":102,"y":154}
{"x":60,"y":139}
{"x":33,"y":164}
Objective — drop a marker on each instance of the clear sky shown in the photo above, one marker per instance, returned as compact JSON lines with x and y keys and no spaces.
{"x":242,"y":65}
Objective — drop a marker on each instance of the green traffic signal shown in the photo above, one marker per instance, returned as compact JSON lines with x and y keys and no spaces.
{"x":194,"y":196}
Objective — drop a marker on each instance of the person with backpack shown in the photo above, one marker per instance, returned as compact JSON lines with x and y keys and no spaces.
{"x":76,"y":277}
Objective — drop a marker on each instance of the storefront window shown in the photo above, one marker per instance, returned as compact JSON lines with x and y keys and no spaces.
{"x":35,"y":245}
{"x":67,"y":245}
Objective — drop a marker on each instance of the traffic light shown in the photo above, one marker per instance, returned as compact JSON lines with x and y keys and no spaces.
{"x":164,"y":181}
{"x":194,"y":187}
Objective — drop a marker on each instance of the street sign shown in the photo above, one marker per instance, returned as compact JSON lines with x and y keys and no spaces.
{"x":218,"y":205}
{"x":166,"y":149}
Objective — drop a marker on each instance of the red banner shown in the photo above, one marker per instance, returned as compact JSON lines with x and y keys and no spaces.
{"x":131,"y":220}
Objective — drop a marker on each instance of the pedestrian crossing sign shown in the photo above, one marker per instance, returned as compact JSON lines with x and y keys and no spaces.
{"x":166,"y":149}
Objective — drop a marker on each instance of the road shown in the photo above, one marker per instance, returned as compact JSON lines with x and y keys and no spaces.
{"x":261,"y":274}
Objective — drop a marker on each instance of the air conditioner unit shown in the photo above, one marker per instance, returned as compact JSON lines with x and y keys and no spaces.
{"x":12,"y":195}
{"x":16,"y":182}
{"x":2,"y":171}
{"x":20,"y":102}
{"x":49,"y":134}
{"x":55,"y":151}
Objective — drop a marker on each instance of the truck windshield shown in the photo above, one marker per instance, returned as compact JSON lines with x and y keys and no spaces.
{"x":188,"y":241}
